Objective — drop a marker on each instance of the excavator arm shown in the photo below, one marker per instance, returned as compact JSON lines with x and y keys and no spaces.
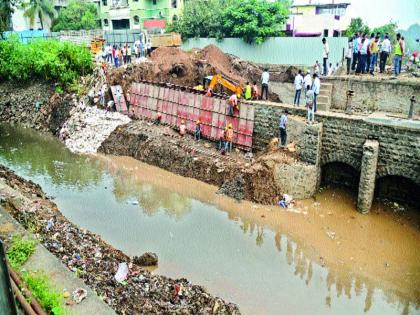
{"x":219,"y":79}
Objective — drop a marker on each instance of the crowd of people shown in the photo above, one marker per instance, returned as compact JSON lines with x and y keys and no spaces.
{"x":118,"y":55}
{"x":366,"y":54}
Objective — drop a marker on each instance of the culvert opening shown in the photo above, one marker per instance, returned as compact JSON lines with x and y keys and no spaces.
{"x":399,"y":189}
{"x":341,"y":175}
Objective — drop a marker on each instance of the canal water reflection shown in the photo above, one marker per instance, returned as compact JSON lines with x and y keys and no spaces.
{"x":320,"y":258}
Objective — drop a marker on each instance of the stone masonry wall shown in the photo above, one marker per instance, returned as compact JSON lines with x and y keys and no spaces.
{"x":375,"y":95}
{"x":343,"y":137}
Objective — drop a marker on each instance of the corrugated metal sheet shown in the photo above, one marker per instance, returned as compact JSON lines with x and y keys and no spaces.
{"x":147,"y":100}
{"x":277,"y":50}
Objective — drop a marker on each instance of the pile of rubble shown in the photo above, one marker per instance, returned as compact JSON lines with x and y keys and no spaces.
{"x":175,"y":66}
{"x":117,"y":278}
{"x":88,"y":127}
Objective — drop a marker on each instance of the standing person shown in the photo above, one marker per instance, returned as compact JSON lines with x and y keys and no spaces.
{"x":248,"y":91}
{"x":373,"y":48}
{"x":385,"y":51}
{"x":326,"y":50}
{"x":233,"y":102}
{"x":298,"y":87}
{"x":316,"y":86}
{"x":361,"y":64}
{"x":115,"y":55}
{"x":404,"y":51}
{"x":349,"y":54}
{"x":137,"y":49}
{"x":356,"y":50}
{"x":307,"y":80}
{"x":369,"y":54}
{"x":109,"y":57}
{"x":317,"y":67}
{"x":222,"y":135}
{"x":255,"y":91}
{"x":398,"y":51}
{"x":265,"y":78}
{"x":118,"y":95}
{"x":120,"y":55}
{"x":149,"y":48}
{"x":283,"y":129}
{"x":128,"y":54}
{"x":229,"y":138}
{"x":198,"y":130}
{"x":124,"y":53}
{"x":331,"y":69}
{"x":310,"y":104}
{"x":182,"y":128}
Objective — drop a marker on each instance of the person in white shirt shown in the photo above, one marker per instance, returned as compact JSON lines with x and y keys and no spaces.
{"x":349,"y":55}
{"x":316,"y":86}
{"x":307,"y":80}
{"x":331,"y":69}
{"x":265,"y":78}
{"x":385,"y":51}
{"x":298,"y":87}
{"x":326,"y":50}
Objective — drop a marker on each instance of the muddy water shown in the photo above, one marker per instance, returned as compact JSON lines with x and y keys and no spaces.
{"x":321,"y":257}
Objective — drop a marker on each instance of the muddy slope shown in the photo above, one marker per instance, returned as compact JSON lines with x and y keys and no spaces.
{"x":96,"y":262}
{"x":34,"y":105}
{"x":164,"y":148}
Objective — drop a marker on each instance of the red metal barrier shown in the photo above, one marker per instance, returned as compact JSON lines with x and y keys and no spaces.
{"x":176,"y":105}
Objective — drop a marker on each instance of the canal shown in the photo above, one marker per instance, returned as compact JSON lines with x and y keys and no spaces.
{"x":321,"y":257}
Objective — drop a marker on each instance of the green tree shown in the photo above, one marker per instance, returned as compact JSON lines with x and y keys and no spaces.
{"x":251,"y":20}
{"x":357,"y":25}
{"x":390,"y":28}
{"x":255,"y":20}
{"x":78,"y":15}
{"x":39,"y":8}
{"x":7,"y":8}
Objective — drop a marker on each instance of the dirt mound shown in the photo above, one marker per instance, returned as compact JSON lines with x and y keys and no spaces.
{"x":175,"y":66}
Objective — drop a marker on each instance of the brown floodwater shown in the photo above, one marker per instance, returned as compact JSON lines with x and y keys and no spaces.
{"x":321,"y":257}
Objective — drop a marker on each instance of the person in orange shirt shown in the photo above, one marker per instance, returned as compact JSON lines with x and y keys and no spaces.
{"x":229,"y":138}
{"x":182,"y":128}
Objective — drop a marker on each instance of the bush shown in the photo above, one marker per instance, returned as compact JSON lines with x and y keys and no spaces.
{"x":20,"y":250}
{"x":61,"y":62}
{"x":78,"y":15}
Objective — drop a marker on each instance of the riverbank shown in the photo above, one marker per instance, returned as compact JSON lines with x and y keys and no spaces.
{"x":96,"y":262}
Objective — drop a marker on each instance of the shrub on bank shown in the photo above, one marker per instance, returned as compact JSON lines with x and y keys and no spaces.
{"x":52,"y":60}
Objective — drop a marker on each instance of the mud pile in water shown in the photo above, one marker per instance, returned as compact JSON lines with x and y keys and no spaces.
{"x":96,"y":262}
{"x":175,"y":66}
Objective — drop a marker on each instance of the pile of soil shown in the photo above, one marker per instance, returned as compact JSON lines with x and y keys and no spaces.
{"x":161,"y":146}
{"x":175,"y":66}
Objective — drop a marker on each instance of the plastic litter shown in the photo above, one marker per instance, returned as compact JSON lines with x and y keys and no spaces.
{"x":122,"y":272}
{"x":79,"y":295}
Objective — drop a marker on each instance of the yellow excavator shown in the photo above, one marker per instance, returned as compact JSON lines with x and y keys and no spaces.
{"x":225,"y":82}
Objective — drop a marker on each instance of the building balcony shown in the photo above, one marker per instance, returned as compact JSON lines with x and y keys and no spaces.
{"x":118,"y":4}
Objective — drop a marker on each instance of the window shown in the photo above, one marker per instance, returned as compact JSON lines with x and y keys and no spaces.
{"x":325,"y":33}
{"x":104,"y":3}
{"x":174,"y":18}
{"x":136,"y":19}
{"x":174,"y":4}
{"x":154,"y":2}
{"x":105,"y":22}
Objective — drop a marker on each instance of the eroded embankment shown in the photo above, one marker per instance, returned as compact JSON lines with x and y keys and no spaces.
{"x":252,"y":179}
{"x":96,"y":262}
{"x":34,"y":105}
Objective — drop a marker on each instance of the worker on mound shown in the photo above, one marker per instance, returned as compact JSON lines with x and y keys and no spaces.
{"x":233,"y":103}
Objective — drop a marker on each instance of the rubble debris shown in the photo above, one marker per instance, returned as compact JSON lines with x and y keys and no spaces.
{"x":88,"y":127}
{"x":174,"y":66}
{"x":147,"y":259}
{"x":233,"y":188}
{"x":79,"y":295}
{"x":122,"y":272}
{"x":96,"y":262}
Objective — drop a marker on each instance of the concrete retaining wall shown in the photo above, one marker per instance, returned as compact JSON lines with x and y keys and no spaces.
{"x":375,"y":95}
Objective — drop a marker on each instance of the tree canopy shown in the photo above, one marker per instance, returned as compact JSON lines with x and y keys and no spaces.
{"x":41,"y":9}
{"x":251,"y":20}
{"x":7,"y":8}
{"x":357,"y":26}
{"x":78,"y":15}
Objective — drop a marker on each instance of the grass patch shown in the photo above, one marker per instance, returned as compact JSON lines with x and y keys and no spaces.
{"x":20,"y":250}
{"x":49,"y":297}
